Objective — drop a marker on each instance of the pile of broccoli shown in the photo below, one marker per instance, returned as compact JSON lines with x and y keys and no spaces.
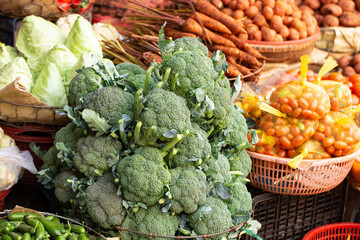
{"x":160,"y":151}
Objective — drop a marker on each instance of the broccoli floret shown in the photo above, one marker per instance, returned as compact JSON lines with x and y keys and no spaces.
{"x":143,"y":176}
{"x":63,"y":191}
{"x":103,"y":204}
{"x":240,"y":161}
{"x":165,"y":110}
{"x":85,"y":82}
{"x":96,"y":155}
{"x":241,"y":199}
{"x":138,"y":81}
{"x":129,"y":68}
{"x":150,"y":220}
{"x":236,"y":130}
{"x":111,"y":103}
{"x":49,"y":157}
{"x":190,"y":44}
{"x":218,"y":169}
{"x":195,"y":145}
{"x":188,"y":189}
{"x":212,"y":217}
{"x":222,"y":113}
{"x":195,"y":70}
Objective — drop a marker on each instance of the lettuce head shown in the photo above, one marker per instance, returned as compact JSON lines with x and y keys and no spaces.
{"x":14,"y":69}
{"x":7,"y":53}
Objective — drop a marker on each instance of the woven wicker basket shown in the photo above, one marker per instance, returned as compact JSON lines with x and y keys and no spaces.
{"x":288,"y":51}
{"x":273,"y":174}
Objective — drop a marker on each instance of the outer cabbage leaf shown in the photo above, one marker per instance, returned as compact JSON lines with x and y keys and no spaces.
{"x":49,"y":87}
{"x":82,"y":38}
{"x":14,"y":69}
{"x":4,"y":55}
{"x":37,"y":36}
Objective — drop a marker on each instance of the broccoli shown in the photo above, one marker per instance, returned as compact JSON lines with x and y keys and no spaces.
{"x":49,"y":157}
{"x":218,"y":169}
{"x":150,"y":220}
{"x":241,"y":200}
{"x":188,"y":189}
{"x":165,"y":110}
{"x":63,"y":191}
{"x":194,"y":71}
{"x":236,"y":130}
{"x":96,"y":155}
{"x":221,"y":97}
{"x":143,"y":176}
{"x":190,"y":44}
{"x":195,"y":145}
{"x":212,"y":217}
{"x":138,"y":81}
{"x":129,"y":68}
{"x":240,"y":161}
{"x":103,"y":204}
{"x":111,"y":103}
{"x":85,"y":82}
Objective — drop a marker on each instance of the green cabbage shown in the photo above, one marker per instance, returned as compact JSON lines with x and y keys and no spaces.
{"x":37,"y":36}
{"x":49,"y":87}
{"x":14,"y":69}
{"x":7,"y":53}
{"x":59,"y":55}
{"x":82,"y":38}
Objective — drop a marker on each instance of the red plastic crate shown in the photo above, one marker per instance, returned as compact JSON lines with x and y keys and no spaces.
{"x":3,"y":194}
{"x":335,"y":231}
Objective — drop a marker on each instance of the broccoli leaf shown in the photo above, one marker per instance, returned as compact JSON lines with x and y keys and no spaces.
{"x":36,"y":149}
{"x":241,"y":217}
{"x":250,"y":122}
{"x":164,"y":45}
{"x":222,"y":191}
{"x":200,"y":212}
{"x":171,"y":133}
{"x":96,"y":123}
{"x":74,"y":115}
{"x":46,"y":177}
{"x":254,"y":136}
{"x":236,"y":88}
{"x":219,"y":61}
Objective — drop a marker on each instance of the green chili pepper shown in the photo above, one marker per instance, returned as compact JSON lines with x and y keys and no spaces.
{"x":20,"y":216}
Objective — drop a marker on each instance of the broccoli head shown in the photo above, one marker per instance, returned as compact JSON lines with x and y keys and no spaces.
{"x":84,"y":83}
{"x":150,"y":220}
{"x":221,"y":97}
{"x":165,"y":110}
{"x":63,"y":191}
{"x":188,"y":189}
{"x":218,"y":169}
{"x":236,"y":130}
{"x":195,"y":70}
{"x":129,"y":68}
{"x":96,"y":155}
{"x":138,"y":81}
{"x":103,"y":204}
{"x":194,"y":145}
{"x":212,"y":217}
{"x":143,"y":176}
{"x":241,"y":199}
{"x":240,"y":161}
{"x":49,"y":157}
{"x":111,"y":103}
{"x":190,"y":44}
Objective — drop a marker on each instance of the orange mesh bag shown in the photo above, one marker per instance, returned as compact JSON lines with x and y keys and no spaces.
{"x":339,"y":94}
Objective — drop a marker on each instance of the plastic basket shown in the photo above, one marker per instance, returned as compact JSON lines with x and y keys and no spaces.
{"x":335,"y":231}
{"x":272,"y":174}
{"x":3,"y":194}
{"x":285,"y":217}
{"x":25,"y":134}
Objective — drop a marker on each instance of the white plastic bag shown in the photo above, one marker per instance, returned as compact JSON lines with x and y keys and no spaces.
{"x":12,"y":162}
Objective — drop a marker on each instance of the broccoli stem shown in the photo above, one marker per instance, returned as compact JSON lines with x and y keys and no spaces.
{"x":240,"y":147}
{"x":137,"y":133}
{"x":157,"y":74}
{"x":175,"y":140}
{"x":166,"y":75}
{"x":237,"y":173}
{"x":122,"y":133}
{"x":184,"y":231}
{"x":221,"y":75}
{"x":147,"y":80}
{"x":171,"y":155}
{"x":173,"y":82}
{"x":208,"y":133}
{"x":138,"y":106}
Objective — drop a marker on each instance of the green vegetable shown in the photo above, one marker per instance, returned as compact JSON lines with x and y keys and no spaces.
{"x":26,"y":236}
{"x":63,"y":191}
{"x":241,"y":162}
{"x":86,"y":59}
{"x":83,"y":39}
{"x":16,"y":68}
{"x":15,"y":236}
{"x":73,"y":236}
{"x":40,"y":231}
{"x":217,"y":169}
{"x":26,"y":229}
{"x":49,"y":87}
{"x":190,"y":44}
{"x":80,"y":229}
{"x":52,"y":228}
{"x":241,"y":199}
{"x":37,"y":36}
{"x":6,"y":237}
{"x":6,"y":54}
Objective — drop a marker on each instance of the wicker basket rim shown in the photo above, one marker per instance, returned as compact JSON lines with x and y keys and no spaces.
{"x":308,"y":162}
{"x":251,"y":74}
{"x":286,"y":43}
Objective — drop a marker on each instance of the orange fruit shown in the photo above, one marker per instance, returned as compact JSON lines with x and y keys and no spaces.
{"x":355,"y":170}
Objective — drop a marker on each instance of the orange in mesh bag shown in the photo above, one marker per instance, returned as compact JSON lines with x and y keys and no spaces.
{"x":250,"y":102}
{"x":340,"y":96}
{"x":288,"y":132}
{"x":301,"y":99}
{"x":338,"y":134}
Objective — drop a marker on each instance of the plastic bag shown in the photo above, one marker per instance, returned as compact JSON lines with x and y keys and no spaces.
{"x":301,"y":99}
{"x":12,"y":162}
{"x":250,"y":102}
{"x":340,"y":96}
{"x":266,"y":145}
{"x":338,"y":134}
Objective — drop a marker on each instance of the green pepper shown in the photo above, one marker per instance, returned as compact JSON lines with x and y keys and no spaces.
{"x":6,"y":237}
{"x":26,"y":229}
{"x":54,"y":229}
{"x":15,"y":236}
{"x":18,"y":216}
{"x":26,"y":236}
